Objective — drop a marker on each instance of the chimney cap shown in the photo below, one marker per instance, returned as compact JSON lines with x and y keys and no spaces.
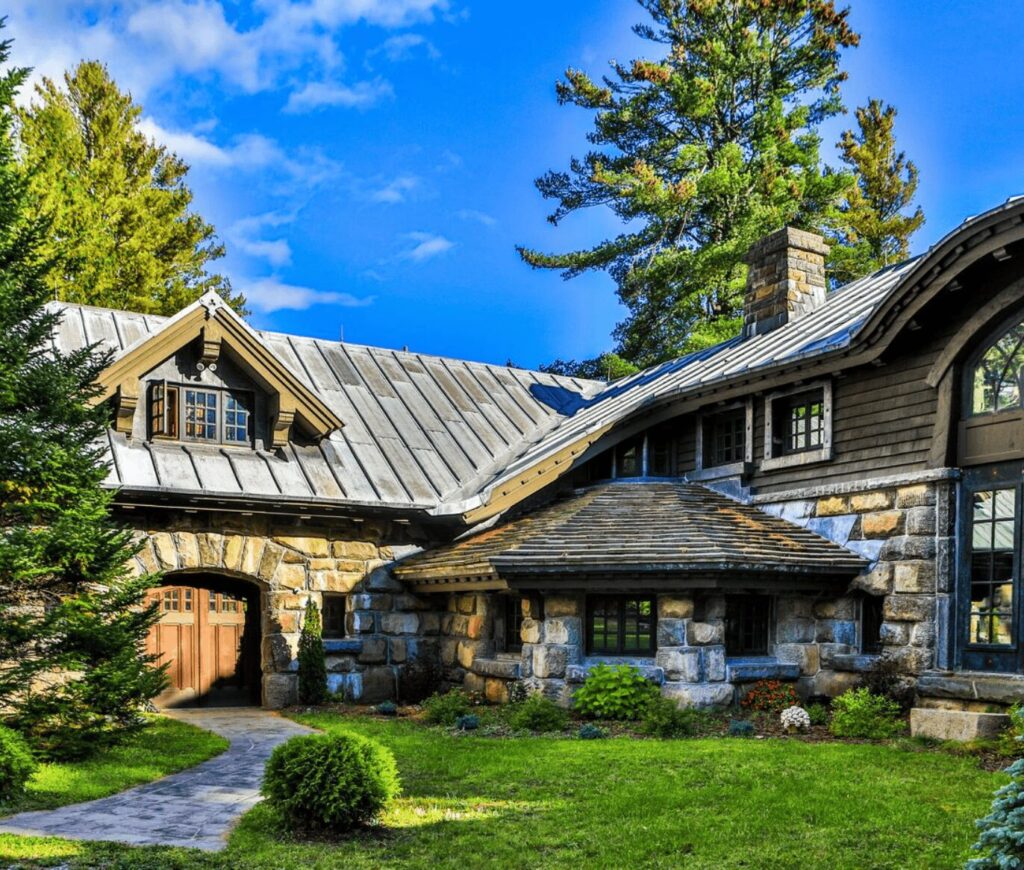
{"x":787,"y":237}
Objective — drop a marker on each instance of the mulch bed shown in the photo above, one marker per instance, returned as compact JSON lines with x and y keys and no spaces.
{"x":767,"y":726}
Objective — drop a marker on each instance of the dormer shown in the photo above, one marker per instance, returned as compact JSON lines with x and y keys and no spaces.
{"x":207,"y":377}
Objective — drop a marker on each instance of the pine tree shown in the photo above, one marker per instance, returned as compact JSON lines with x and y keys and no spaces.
{"x":700,"y":152}
{"x":871,"y":229}
{"x":312,"y":665}
{"x":1001,"y":841}
{"x":72,"y":619}
{"x":123,"y":233}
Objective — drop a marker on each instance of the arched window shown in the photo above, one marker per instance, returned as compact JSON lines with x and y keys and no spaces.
{"x":995,"y":378}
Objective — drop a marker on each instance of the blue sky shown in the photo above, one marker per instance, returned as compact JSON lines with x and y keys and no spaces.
{"x":370,"y":163}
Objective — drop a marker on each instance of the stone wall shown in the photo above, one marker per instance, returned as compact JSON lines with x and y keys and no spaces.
{"x":907,"y":532}
{"x":387,"y":628}
{"x":468,"y":656}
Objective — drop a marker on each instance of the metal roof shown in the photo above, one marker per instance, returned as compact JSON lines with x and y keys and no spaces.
{"x":441,"y":435}
{"x":417,"y":428}
{"x":631,"y":528}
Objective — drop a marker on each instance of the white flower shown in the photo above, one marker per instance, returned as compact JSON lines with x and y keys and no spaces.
{"x":795,"y":719}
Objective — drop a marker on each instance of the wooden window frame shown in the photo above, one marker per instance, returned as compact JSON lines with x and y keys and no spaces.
{"x":774,"y":456}
{"x":166,"y":412}
{"x":706,"y":469}
{"x":335,"y":598}
{"x":619,"y":649}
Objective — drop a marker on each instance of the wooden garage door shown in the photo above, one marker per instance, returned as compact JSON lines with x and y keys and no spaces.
{"x":206,"y":638}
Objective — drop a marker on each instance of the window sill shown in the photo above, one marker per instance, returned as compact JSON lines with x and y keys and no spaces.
{"x":646,"y":666}
{"x":808,"y":457}
{"x":339,"y":645}
{"x":856,"y":662}
{"x":502,"y":666}
{"x":717,"y":472}
{"x":750,"y":669}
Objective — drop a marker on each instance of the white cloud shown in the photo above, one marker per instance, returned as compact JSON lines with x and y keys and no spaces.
{"x":480,"y":217}
{"x":403,"y":47}
{"x":246,"y":235}
{"x":256,"y":47}
{"x":427,"y":246}
{"x":361,"y":95}
{"x":273,"y":294}
{"x":395,"y":191}
{"x":248,"y":152}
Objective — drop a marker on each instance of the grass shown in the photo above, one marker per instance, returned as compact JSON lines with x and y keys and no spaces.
{"x":547,"y":802}
{"x":165,"y":746}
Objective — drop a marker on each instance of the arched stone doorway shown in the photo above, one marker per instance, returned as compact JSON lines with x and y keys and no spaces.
{"x":209,"y":637}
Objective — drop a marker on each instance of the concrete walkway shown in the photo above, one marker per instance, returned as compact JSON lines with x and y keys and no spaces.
{"x":195,"y":808}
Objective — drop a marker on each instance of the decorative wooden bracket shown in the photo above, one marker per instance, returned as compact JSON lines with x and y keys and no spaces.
{"x":125,"y":404}
{"x":282,"y":429}
{"x":209,"y":345}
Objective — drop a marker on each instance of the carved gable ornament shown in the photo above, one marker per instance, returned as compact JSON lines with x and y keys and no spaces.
{"x":216,"y":329}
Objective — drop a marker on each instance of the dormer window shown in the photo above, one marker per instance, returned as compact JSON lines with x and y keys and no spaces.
{"x":202,"y":414}
{"x":798,"y":427}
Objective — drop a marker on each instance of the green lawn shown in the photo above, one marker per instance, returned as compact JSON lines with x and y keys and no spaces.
{"x":165,"y":746}
{"x":545,"y":802}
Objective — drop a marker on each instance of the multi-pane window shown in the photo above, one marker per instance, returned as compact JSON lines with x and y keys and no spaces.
{"x":200,"y":414}
{"x":511,"y":624}
{"x":236,"y":419}
{"x":176,"y":600}
{"x":801,"y":422}
{"x":997,"y":376}
{"x":660,"y":455}
{"x":993,"y":523}
{"x":620,"y":625}
{"x":629,"y":458}
{"x":725,"y":438}
{"x":334,"y":616}
{"x":871,"y":624}
{"x":223,"y":602}
{"x":746,"y":625}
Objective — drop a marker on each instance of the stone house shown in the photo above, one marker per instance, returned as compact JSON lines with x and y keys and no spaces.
{"x":840,"y":482}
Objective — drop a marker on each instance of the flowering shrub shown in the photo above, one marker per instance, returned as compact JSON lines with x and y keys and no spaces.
{"x":770,"y":696}
{"x":795,"y":719}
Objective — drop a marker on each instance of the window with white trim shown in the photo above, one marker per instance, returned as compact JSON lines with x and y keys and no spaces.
{"x":199,"y":413}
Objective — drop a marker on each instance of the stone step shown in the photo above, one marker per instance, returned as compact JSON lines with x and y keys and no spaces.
{"x":956,"y":724}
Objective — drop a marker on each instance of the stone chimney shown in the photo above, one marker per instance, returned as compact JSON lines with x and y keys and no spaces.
{"x":786,"y":279}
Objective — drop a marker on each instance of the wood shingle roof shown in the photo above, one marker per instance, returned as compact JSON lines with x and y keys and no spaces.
{"x":629,"y":529}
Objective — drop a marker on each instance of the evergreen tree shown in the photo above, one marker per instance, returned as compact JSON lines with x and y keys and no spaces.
{"x":123,"y":234}
{"x":606,"y":367}
{"x":72,"y":619}
{"x":700,"y":152}
{"x":871,"y":229}
{"x":312,"y":665}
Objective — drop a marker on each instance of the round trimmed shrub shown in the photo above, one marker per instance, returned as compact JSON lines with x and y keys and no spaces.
{"x":330,"y":783}
{"x":862,"y":713}
{"x":16,"y":765}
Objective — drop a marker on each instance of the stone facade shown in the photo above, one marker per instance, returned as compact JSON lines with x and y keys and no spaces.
{"x":387,"y":629}
{"x":907,"y":531}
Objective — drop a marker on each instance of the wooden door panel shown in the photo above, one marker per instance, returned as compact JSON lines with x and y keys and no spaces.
{"x":202,"y":636}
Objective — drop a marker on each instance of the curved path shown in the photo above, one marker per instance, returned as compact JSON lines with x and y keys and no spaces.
{"x":195,"y":808}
